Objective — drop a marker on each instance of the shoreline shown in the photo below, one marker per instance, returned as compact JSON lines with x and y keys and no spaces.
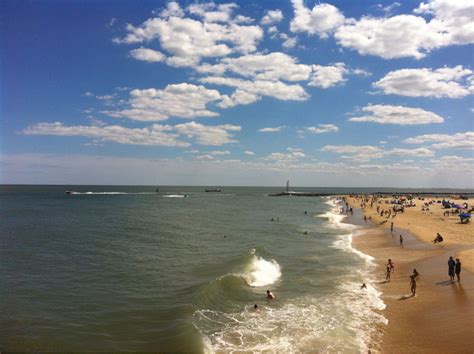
{"x":440,"y":317}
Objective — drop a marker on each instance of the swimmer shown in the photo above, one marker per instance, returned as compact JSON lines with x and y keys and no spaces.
{"x":270,"y":295}
{"x":255,"y":307}
{"x":363,"y":286}
{"x":306,"y":232}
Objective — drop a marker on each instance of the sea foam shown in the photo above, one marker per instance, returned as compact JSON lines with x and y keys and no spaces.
{"x":261,"y":272}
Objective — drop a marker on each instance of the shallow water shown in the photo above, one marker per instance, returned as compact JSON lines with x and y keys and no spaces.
{"x":124,"y":268}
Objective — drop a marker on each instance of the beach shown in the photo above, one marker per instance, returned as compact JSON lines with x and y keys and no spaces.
{"x":440,"y":317}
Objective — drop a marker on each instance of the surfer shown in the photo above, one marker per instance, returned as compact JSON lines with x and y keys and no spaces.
{"x":270,"y":295}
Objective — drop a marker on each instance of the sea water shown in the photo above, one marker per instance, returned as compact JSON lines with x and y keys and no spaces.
{"x":125,"y":268}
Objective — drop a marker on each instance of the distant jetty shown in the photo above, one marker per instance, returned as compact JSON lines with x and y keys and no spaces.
{"x":300,"y":194}
{"x":288,"y":193}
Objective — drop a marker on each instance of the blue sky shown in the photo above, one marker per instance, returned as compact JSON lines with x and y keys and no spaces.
{"x":342,"y":93}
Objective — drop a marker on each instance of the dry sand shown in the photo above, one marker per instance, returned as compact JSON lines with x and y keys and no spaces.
{"x":440,"y":318}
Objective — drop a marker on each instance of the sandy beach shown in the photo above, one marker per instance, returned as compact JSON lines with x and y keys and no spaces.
{"x":440,"y":317}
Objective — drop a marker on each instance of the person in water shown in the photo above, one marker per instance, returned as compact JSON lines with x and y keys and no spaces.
{"x":363,"y":286}
{"x":255,"y":307}
{"x":270,"y":295}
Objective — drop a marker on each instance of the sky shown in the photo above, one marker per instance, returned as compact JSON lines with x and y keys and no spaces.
{"x":246,"y":93}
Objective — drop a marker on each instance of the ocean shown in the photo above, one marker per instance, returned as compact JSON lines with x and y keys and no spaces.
{"x":129,"y":269}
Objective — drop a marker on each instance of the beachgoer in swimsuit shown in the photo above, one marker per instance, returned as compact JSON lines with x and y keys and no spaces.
{"x":270,"y":295}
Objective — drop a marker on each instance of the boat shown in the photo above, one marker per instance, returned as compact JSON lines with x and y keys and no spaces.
{"x":216,"y":190}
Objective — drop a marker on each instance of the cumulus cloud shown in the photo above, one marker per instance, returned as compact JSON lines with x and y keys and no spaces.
{"x":177,"y":100}
{"x":420,"y":152}
{"x":285,"y":156}
{"x":352,"y":149}
{"x":272,"y":17}
{"x":239,"y":97}
{"x":445,"y":141}
{"x":159,"y":135}
{"x":208,"y":135}
{"x":398,"y":115}
{"x":272,"y":66}
{"x":322,"y":128}
{"x":248,"y":152}
{"x":278,"y":66}
{"x":425,"y":82}
{"x":410,"y":35}
{"x":327,"y":76}
{"x":148,"y":55}
{"x":367,"y":152}
{"x":322,"y":20}
{"x":276,"y":89}
{"x":155,"y":135}
{"x":187,"y":40}
{"x":271,"y":130}
{"x":172,"y":9}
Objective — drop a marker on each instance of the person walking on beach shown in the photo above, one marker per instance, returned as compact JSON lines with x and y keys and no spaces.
{"x":412,"y":285}
{"x":391,"y":227}
{"x":391,"y":265}
{"x":415,"y":274}
{"x":387,"y":274}
{"x":457,"y":269}
{"x":401,"y":240}
{"x":451,"y":266}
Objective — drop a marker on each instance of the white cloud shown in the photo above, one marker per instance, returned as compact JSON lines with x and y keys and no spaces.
{"x":250,"y":153}
{"x":239,"y":97}
{"x":420,"y":152}
{"x":276,"y":89}
{"x":273,"y":66}
{"x":290,"y":42}
{"x":177,"y":100}
{"x":351,"y":149}
{"x":411,"y":35}
{"x":208,"y":135}
{"x":285,"y":157}
{"x":399,"y":115}
{"x":272,"y":30}
{"x":219,"y":152}
{"x":212,"y":12}
{"x":172,"y":9}
{"x":159,"y":135}
{"x":322,"y":128}
{"x":88,"y":94}
{"x":148,"y":55}
{"x":445,"y":141}
{"x":271,"y":130}
{"x":188,"y":40}
{"x":327,"y":76}
{"x":272,"y":17}
{"x":322,"y":20}
{"x":443,"y":82}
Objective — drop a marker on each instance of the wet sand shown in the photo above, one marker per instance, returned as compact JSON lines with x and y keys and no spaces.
{"x":440,"y":317}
